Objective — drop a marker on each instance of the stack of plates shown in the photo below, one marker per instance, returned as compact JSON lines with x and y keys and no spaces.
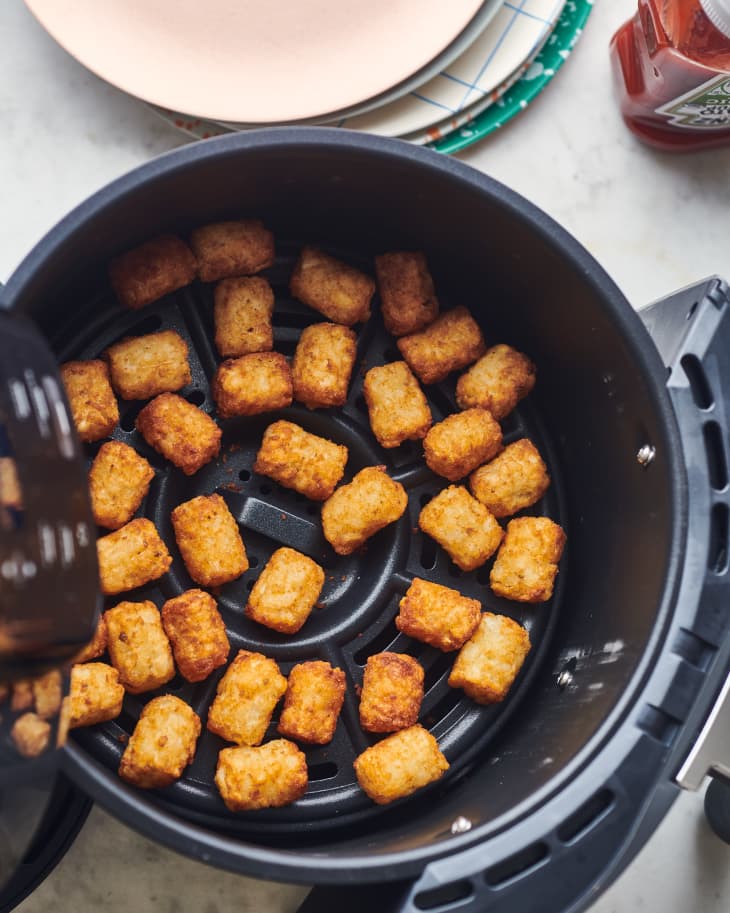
{"x":438,"y":72}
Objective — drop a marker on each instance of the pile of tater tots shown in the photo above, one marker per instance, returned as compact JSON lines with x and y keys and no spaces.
{"x":485,"y":484}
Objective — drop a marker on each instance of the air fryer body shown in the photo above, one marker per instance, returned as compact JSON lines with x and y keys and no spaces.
{"x":561,"y":782}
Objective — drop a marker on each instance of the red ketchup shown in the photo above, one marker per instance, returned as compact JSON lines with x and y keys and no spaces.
{"x":671,"y":65}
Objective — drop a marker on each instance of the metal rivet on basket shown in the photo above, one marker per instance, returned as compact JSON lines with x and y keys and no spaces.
{"x":645,"y":454}
{"x":564,"y":679}
{"x":460,"y":825}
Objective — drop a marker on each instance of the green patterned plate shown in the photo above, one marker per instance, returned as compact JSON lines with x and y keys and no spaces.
{"x":547,"y":63}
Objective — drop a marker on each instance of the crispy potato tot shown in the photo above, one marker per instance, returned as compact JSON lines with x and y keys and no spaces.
{"x":31,"y":735}
{"x":462,"y":526}
{"x":90,"y":395}
{"x":96,"y":694}
{"x":438,"y":615}
{"x":296,"y":459}
{"x":182,"y":433}
{"x":152,"y":270}
{"x":96,"y":646}
{"x":269,"y":776}
{"x":11,"y":494}
{"x":461,"y":442}
{"x":286,"y":591}
{"x":357,"y":511}
{"x":130,"y":557}
{"x":335,"y":289}
{"x":245,"y":699}
{"x":197,"y":634}
{"x":498,"y":381}
{"x":252,"y":384}
{"x":527,"y":562}
{"x":119,"y":480}
{"x":314,"y":697}
{"x":392,"y":692}
{"x":162,"y":744}
{"x":451,"y":342}
{"x":397,"y":407}
{"x":400,"y":764}
{"x":138,"y":646}
{"x":242,"y":315}
{"x":144,"y":366}
{"x":47,"y":694}
{"x":225,"y":249}
{"x":22,"y":696}
{"x":322,"y":365}
{"x":209,"y":540}
{"x":408,"y":298}
{"x":516,"y":479}
{"x":489,"y":661}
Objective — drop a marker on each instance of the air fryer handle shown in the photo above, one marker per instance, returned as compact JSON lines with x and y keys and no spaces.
{"x":48,"y":570}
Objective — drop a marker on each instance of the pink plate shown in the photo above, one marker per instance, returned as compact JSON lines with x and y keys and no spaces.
{"x":258,"y":62}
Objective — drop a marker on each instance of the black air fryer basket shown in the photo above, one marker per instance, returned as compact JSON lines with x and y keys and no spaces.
{"x":551,"y":792}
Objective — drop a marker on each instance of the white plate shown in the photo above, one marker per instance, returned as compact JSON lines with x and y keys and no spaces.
{"x":265,"y":62}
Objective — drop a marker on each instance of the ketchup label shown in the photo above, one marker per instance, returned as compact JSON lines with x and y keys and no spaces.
{"x":706,"y":107}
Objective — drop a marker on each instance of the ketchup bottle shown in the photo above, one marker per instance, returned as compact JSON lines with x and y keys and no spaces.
{"x":671,"y":65}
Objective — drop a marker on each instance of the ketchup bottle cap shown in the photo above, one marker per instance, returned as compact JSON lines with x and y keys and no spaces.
{"x":718,"y":12}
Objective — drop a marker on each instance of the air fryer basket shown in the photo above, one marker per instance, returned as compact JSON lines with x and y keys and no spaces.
{"x":553,"y":780}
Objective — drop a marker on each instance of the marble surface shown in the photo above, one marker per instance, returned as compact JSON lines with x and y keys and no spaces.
{"x":656,"y":222}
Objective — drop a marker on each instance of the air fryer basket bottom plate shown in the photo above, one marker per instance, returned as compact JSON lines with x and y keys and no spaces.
{"x":355,"y":616}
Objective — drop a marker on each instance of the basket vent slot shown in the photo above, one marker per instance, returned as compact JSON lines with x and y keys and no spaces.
{"x":717,"y":558}
{"x":658,"y":724}
{"x":517,"y":865}
{"x":324,"y":771}
{"x":716,"y":462}
{"x":444,"y":896}
{"x":693,"y":649}
{"x":587,"y":816}
{"x":699,"y":385}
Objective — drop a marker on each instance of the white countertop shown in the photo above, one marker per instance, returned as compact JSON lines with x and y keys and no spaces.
{"x":656,"y":222}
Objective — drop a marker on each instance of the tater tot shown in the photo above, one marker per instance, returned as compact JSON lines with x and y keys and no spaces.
{"x":197,"y":634}
{"x":392,"y":692}
{"x":462,"y":526}
{"x":335,"y":289}
{"x":407,"y":295}
{"x":516,"y":479}
{"x":437,"y":615}
{"x":182,"y":433}
{"x":144,"y":366}
{"x":119,"y":479}
{"x":30,"y":735}
{"x":131,"y":556}
{"x":209,"y":540}
{"x":498,"y":381}
{"x":527,"y":562}
{"x":162,"y":744}
{"x":96,"y":694}
{"x":461,"y":442}
{"x":245,"y":699}
{"x":47,"y":694}
{"x":11,"y":494}
{"x":252,"y":384}
{"x":357,"y":511}
{"x":238,"y":248}
{"x":138,"y":646}
{"x":155,"y":268}
{"x":451,"y":342}
{"x":269,"y":776}
{"x":296,"y":459}
{"x":242,"y":315}
{"x":400,"y":764}
{"x":489,"y":661}
{"x":322,"y":365}
{"x":286,"y":591}
{"x":90,"y":395}
{"x":22,"y":696}
{"x":397,"y":407}
{"x":96,"y":646}
{"x":314,"y":697}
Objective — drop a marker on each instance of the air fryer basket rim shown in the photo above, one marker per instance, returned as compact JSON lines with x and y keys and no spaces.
{"x":298,"y":866}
